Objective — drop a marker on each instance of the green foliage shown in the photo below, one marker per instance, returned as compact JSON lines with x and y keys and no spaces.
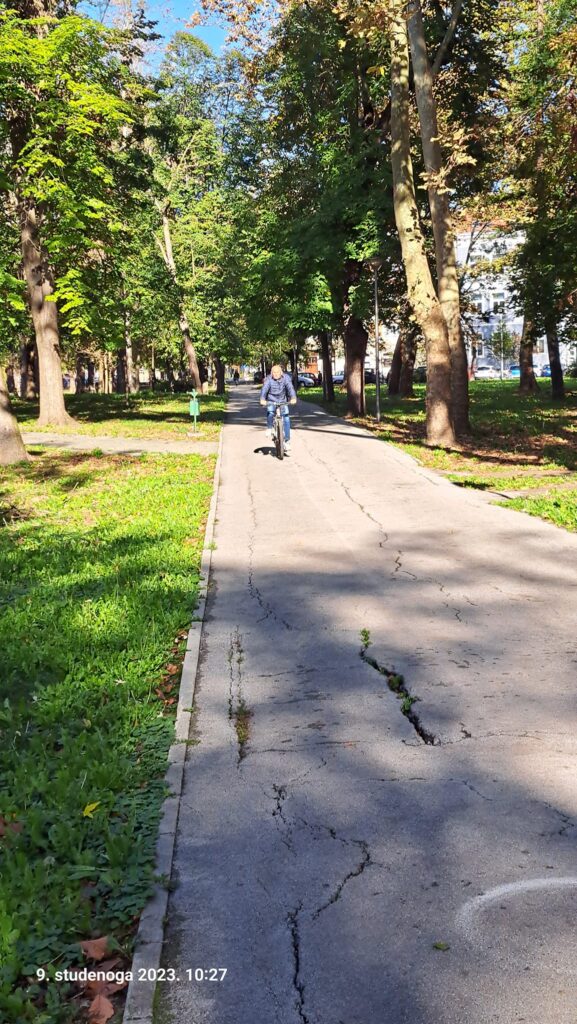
{"x":99,"y":560}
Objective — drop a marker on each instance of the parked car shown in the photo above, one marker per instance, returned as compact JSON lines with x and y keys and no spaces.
{"x":486,"y":373}
{"x":307,"y":380}
{"x":420,"y":375}
{"x":371,"y":377}
{"x":338,"y":378}
{"x":545,"y":371}
{"x":515,"y":371}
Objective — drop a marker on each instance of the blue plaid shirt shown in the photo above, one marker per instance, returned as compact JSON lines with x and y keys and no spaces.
{"x":278,"y":390}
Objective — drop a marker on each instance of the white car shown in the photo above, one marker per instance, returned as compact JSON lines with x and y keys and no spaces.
{"x":486,"y":373}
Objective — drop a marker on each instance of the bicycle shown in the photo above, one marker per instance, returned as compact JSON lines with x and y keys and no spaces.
{"x":278,"y":429}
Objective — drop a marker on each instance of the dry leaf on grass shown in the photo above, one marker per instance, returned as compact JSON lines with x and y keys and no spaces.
{"x":100,"y":1010}
{"x":96,"y":949}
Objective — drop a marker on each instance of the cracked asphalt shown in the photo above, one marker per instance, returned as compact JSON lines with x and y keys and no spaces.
{"x":341,"y":868}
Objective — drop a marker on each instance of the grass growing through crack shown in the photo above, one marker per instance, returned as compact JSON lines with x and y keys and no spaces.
{"x":396,"y":684}
{"x":99,"y":560}
{"x":242,"y":716}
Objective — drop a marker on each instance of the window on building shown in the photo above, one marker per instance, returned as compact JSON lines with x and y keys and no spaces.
{"x":499,"y":303}
{"x":477,"y":303}
{"x":480,"y":349}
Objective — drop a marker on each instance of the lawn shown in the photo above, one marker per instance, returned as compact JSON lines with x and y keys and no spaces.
{"x":522,"y":448}
{"x":143,"y":415}
{"x":99,"y":563}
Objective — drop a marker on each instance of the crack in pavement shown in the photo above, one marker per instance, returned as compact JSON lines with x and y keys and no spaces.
{"x":354,"y":501}
{"x":292,"y":918}
{"x":253,"y":590}
{"x":399,"y":567}
{"x":396,"y":684}
{"x":470,"y":786}
{"x":358,"y":870}
{"x":238,"y":712}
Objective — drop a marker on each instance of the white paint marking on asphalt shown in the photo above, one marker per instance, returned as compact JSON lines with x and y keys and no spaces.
{"x":467,"y":912}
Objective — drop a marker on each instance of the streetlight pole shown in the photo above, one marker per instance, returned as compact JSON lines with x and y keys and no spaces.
{"x":374,"y":264}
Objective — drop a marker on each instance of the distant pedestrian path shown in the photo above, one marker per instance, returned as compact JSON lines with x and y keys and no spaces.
{"x":119,"y":445}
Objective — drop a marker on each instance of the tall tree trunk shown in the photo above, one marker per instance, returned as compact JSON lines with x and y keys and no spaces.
{"x":132,"y":378}
{"x":168,"y":256}
{"x":79,"y":376}
{"x":421,"y":292}
{"x":356,"y":338}
{"x":121,"y":372}
{"x":40,"y":289}
{"x":409,"y":342}
{"x":28,"y":363}
{"x":557,"y":383}
{"x":219,"y":368}
{"x":328,"y":385}
{"x":395,"y":371}
{"x":527,"y":381}
{"x":11,"y":444}
{"x":445,"y":255}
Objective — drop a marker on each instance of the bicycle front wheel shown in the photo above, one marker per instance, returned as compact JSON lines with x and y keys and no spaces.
{"x":279,"y":437}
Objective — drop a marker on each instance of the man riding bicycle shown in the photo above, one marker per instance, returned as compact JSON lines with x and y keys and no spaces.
{"x":278,"y":390}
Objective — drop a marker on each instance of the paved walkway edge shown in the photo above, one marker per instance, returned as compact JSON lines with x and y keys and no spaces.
{"x":139,"y":1007}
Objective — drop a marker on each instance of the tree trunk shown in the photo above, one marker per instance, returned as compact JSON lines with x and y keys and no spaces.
{"x":132,"y":378}
{"x":421,"y":293}
{"x":28,"y":366}
{"x":409,"y":342}
{"x":527,"y":382}
{"x":328,"y":385}
{"x":40,"y":289}
{"x":11,"y":444}
{"x":557,"y":383}
{"x":219,"y":372}
{"x":79,"y":376}
{"x":356,"y":338}
{"x":121,"y":372}
{"x":189,"y":348}
{"x":395,"y":371}
{"x":447,"y":277}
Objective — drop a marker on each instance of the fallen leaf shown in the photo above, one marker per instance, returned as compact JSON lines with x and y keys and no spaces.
{"x":89,"y":809}
{"x":110,"y":965}
{"x":100,"y":1010}
{"x":443,"y":946}
{"x":96,"y":949}
{"x":172,"y":669}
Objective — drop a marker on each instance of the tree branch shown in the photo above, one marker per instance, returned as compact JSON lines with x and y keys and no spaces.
{"x":449,"y":34}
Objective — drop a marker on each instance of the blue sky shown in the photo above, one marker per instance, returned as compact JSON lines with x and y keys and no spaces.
{"x":172,"y":16}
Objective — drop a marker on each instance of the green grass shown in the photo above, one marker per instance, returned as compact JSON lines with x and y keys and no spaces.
{"x":144,"y":415}
{"x":556,"y":507}
{"x":99,"y":561}
{"x":518,"y":443}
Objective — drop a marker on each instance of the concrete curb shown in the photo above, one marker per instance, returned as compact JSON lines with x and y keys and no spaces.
{"x":150,"y":935}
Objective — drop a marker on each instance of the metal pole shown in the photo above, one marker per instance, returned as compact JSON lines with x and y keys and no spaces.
{"x":377,"y":367}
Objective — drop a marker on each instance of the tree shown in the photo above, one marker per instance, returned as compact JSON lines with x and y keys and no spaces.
{"x":421,"y":291}
{"x":11,"y":444}
{"x":68,"y":97}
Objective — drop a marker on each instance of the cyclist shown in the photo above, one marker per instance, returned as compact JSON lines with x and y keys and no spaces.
{"x":278,"y":388}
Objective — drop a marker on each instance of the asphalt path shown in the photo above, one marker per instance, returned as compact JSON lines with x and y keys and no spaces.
{"x":346,"y":864}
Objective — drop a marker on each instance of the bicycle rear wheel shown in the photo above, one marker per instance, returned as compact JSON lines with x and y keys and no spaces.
{"x":279,"y":436}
